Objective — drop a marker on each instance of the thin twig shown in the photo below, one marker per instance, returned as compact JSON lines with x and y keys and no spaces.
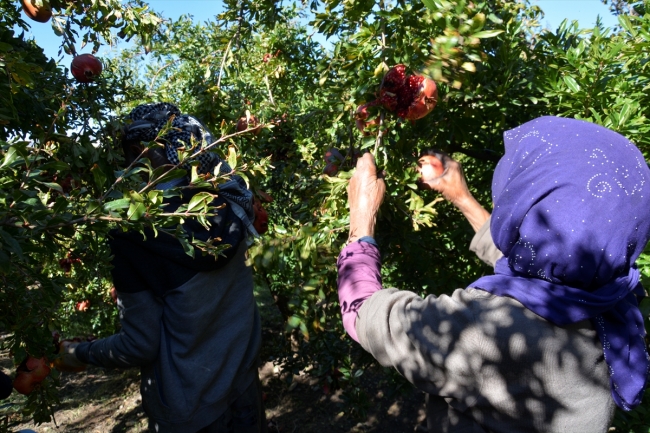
{"x":380,"y":133}
{"x":223,"y":61}
{"x":193,"y":156}
{"x":155,"y":77}
{"x":268,"y":87}
{"x":121,"y":177}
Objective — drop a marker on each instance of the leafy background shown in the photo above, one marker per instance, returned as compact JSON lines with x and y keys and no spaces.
{"x":63,"y":185}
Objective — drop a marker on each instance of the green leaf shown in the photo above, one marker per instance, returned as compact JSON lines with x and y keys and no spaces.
{"x":486,"y":34}
{"x":232,"y":157}
{"x":199,"y":199}
{"x":10,"y":156}
{"x":136,"y":210}
{"x":571,"y":83}
{"x":122,"y":203}
{"x":52,"y":185}
{"x":430,"y":5}
{"x":12,"y":243}
{"x":98,"y":176}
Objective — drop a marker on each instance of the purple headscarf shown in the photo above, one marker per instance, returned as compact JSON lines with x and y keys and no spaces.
{"x":571,"y":216}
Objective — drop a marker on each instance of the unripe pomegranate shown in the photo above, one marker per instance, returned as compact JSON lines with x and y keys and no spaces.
{"x":42,"y":14}
{"x":85,"y":68}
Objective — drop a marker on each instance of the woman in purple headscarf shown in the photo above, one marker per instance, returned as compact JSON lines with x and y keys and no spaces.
{"x":554,"y":340}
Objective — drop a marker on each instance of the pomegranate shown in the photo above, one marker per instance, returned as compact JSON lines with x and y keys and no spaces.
{"x":411,"y":96}
{"x":261,"y":222}
{"x":331,"y":169}
{"x":430,"y":167}
{"x":66,"y":263}
{"x":333,"y":159}
{"x":250,"y":123}
{"x":82,"y":305}
{"x":41,"y":14}
{"x":30,"y":373}
{"x":362,"y":114}
{"x":85,"y":68}
{"x":333,"y":156}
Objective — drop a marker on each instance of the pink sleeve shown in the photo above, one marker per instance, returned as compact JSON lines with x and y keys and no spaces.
{"x":359,"y":266}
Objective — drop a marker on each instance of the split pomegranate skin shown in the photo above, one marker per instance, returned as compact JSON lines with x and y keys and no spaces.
{"x":410,"y":96}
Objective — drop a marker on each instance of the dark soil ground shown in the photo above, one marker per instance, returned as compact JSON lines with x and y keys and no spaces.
{"x":108,"y":401}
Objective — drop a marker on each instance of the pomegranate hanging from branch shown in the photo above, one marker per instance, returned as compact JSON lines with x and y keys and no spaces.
{"x":410,"y":96}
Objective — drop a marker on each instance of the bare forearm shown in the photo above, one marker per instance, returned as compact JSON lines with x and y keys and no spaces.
{"x":473,"y":211}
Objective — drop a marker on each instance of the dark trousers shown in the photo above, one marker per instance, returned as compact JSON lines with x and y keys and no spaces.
{"x":244,"y":415}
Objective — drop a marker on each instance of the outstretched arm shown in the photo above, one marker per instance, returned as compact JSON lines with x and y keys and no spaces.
{"x":452,"y":185}
{"x":359,"y":263}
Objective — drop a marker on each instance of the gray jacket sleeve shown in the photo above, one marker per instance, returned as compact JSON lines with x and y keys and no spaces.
{"x":484,"y":247}
{"x":417,"y":336}
{"x":138,"y":341}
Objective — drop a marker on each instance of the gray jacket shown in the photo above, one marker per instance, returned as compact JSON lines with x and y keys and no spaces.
{"x":488,"y":363}
{"x":197,"y":345}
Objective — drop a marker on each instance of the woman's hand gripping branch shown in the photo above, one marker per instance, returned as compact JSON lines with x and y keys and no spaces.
{"x":365,"y":194}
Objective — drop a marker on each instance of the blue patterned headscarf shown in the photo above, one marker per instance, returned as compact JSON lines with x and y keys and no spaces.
{"x":571,"y":216}
{"x":146,"y":122}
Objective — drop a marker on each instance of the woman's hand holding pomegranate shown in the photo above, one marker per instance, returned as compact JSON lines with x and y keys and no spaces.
{"x":440,"y":173}
{"x":68,"y":361}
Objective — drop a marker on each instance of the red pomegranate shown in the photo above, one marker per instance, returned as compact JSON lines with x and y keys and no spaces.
{"x":249,"y":123}
{"x":82,"y":305}
{"x":41,"y":14}
{"x":430,"y":167}
{"x":331,"y":169}
{"x":411,"y":96}
{"x":30,"y":373}
{"x":261,"y":222}
{"x":362,"y":114}
{"x":85,"y":68}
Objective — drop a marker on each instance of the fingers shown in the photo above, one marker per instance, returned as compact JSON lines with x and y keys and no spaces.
{"x":367,"y":163}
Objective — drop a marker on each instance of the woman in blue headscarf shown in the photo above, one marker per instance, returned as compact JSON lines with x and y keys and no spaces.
{"x":554,"y":340}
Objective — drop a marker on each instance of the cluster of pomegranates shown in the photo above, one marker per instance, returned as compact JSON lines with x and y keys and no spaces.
{"x":410,"y":96}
